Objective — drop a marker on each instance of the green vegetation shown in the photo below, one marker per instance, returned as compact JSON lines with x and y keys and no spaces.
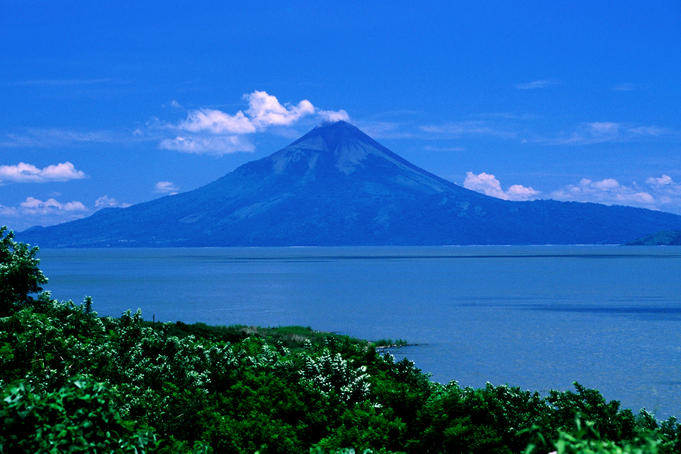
{"x":294,"y":337}
{"x":385,"y":343}
{"x":71,"y":381}
{"x":19,"y":272}
{"x":664,"y":238}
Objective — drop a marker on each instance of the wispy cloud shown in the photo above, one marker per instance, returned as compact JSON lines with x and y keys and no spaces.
{"x":624,"y":87}
{"x":28,"y":173}
{"x":386,"y":129}
{"x":214,"y":145}
{"x":60,"y":82}
{"x":536,"y":84}
{"x":506,"y":116}
{"x":469,"y":128}
{"x":442,"y":148}
{"x":214,"y":131}
{"x":606,"y":131}
{"x":166,"y":187}
{"x":174,"y":103}
{"x":488,"y":184}
{"x":50,"y":137}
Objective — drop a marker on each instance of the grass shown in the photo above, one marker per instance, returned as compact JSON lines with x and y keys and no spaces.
{"x":293,"y":337}
{"x":385,"y":343}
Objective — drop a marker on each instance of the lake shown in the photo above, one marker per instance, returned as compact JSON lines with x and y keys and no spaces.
{"x":538,"y":317}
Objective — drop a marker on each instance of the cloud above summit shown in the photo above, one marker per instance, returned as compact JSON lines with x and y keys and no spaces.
{"x":264,"y":110}
{"x":213,"y":131}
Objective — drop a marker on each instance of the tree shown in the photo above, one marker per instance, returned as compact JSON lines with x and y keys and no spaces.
{"x":19,"y":272}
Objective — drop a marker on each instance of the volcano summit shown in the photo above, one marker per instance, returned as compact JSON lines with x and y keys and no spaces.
{"x":337,"y":186}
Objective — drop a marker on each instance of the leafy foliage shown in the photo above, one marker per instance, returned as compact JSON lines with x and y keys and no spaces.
{"x":79,"y":417}
{"x":19,"y":272}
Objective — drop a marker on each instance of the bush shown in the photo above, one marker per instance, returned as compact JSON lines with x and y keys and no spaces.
{"x":19,"y":272}
{"x":78,"y":417}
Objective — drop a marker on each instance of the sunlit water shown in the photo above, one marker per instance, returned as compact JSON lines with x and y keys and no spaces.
{"x":538,"y":317}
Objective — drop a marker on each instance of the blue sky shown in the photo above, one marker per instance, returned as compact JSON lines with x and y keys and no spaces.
{"x":115,"y":103}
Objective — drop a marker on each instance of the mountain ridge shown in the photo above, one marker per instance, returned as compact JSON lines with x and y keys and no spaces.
{"x":336,"y":186}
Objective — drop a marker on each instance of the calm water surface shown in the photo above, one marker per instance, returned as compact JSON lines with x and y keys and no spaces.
{"x":538,"y":317}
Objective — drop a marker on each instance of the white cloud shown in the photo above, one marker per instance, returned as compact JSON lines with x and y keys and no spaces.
{"x":265,"y":110}
{"x":109,"y":202}
{"x":485,"y":183}
{"x":667,"y":192}
{"x":36,"y":206}
{"x":488,"y":184}
{"x":607,"y":191}
{"x":28,"y":173}
{"x":535,"y":84}
{"x":664,"y":180}
{"x":217,"y":122}
{"x":659,"y":193}
{"x":166,"y":187}
{"x":520,"y":192}
{"x":607,"y":184}
{"x":215,"y":145}
{"x":33,"y":211}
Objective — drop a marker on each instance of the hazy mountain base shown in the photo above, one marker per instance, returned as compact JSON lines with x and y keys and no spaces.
{"x":665,"y":238}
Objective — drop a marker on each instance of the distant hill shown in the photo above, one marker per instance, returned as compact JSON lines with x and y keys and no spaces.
{"x":338,"y":186}
{"x":665,"y":238}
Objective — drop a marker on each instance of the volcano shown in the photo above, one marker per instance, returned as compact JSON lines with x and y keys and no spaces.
{"x":336,"y":186}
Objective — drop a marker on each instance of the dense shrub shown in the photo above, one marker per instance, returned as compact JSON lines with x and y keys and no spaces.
{"x":79,"y":417}
{"x":19,"y":272}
